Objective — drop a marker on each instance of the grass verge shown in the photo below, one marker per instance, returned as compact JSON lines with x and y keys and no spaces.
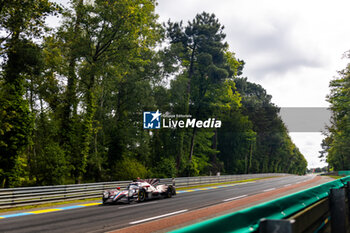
{"x":336,"y":177}
{"x":229,"y":182}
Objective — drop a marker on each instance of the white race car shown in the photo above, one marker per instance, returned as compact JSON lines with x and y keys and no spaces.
{"x":140,"y":190}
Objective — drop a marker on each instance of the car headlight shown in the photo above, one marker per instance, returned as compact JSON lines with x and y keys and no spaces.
{"x":131,"y":192}
{"x":105,"y":194}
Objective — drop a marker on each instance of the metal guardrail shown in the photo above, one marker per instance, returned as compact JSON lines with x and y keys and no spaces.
{"x":13,"y":197}
{"x":329,"y":215}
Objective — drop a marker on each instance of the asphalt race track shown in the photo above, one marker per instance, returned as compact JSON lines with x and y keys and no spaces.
{"x":102,"y":218}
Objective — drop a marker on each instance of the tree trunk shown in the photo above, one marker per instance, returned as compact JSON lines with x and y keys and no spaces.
{"x":250,"y":157}
{"x":180,"y":151}
{"x":215,"y":166}
{"x":192,"y":143}
{"x":88,"y":125}
{"x":187,"y":108}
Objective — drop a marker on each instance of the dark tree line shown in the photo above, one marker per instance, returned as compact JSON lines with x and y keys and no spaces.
{"x":72,"y":97}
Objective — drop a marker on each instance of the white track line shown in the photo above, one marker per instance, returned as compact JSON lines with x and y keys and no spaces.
{"x":160,"y":216}
{"x":266,"y":190}
{"x":132,"y":206}
{"x":233,"y":198}
{"x":247,"y":182}
{"x":287,"y":185}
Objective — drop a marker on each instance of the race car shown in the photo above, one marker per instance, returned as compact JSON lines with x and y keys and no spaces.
{"x":139,"y":190}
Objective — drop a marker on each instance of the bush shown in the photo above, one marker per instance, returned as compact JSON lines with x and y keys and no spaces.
{"x":128,"y":169}
{"x":166,"y":168}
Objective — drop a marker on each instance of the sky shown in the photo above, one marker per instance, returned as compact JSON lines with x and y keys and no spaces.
{"x":293,"y":48}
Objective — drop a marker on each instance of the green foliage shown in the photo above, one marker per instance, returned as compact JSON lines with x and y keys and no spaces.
{"x":236,"y":139}
{"x":47,"y":163}
{"x":274,"y":150}
{"x":336,"y":145}
{"x":19,"y":22}
{"x":51,"y":165}
{"x":129,"y":169}
{"x":165,"y":168}
{"x":207,"y":64}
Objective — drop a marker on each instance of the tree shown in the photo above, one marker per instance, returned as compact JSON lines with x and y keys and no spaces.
{"x":201,"y":51}
{"x":21,"y":22}
{"x":336,"y":144}
{"x":95,"y":37}
{"x":275,"y":151}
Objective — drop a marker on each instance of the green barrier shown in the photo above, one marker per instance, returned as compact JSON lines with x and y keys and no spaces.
{"x":247,"y":220}
{"x":343,"y":173}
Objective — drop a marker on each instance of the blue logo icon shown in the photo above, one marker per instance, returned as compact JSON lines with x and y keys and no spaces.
{"x":151,"y":120}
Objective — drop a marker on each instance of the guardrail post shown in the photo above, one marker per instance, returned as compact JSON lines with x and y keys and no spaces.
{"x":276,"y":226}
{"x":348,"y":197}
{"x":338,"y":210}
{"x":13,"y":198}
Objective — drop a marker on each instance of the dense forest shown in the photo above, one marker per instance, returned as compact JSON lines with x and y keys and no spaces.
{"x":335,"y":146}
{"x":72,"y":97}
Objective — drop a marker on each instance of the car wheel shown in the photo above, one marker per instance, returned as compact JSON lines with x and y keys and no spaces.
{"x":169,"y":193}
{"x":141,"y":196}
{"x":173,"y":190}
